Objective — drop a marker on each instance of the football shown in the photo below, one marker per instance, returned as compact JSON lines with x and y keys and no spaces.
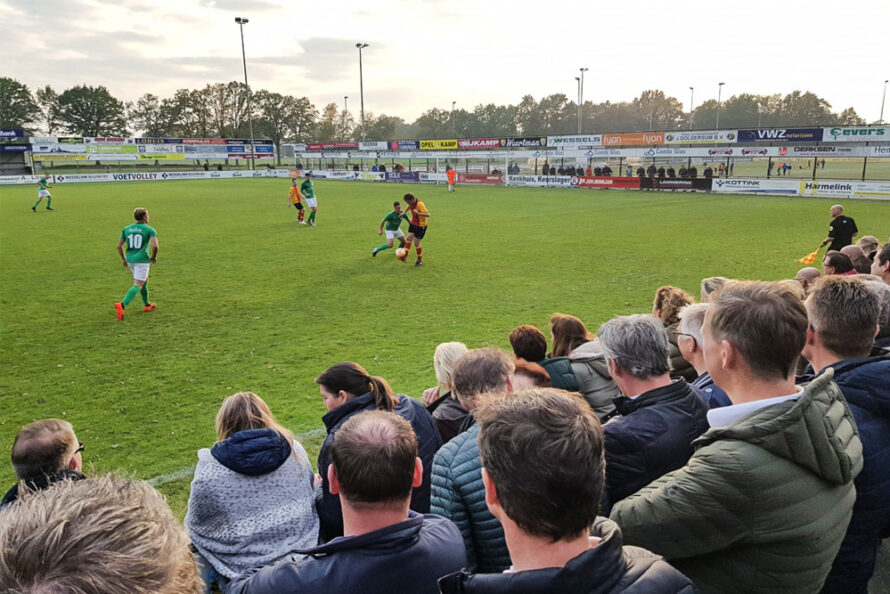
{"x":401,"y":253}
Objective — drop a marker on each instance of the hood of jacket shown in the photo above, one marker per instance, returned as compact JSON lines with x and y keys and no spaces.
{"x":816,"y":431}
{"x":589,"y":350}
{"x":253,"y":452}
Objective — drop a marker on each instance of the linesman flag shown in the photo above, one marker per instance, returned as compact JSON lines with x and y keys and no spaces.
{"x":809,"y":258}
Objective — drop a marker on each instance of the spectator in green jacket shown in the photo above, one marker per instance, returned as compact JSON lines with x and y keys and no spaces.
{"x":764,"y":502}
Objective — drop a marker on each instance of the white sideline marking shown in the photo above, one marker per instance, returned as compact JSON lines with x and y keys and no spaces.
{"x":182,"y":473}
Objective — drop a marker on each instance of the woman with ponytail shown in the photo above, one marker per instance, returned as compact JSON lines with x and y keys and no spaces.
{"x":347,"y":390}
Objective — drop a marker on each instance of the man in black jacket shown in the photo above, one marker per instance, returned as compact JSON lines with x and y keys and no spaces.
{"x":542,"y":457}
{"x":658,"y":418}
{"x":385,"y":548}
{"x":43,"y":453}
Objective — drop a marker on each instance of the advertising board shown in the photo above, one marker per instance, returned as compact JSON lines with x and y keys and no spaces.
{"x":856,"y":134}
{"x":635,"y":139}
{"x":575,"y":141}
{"x":438,"y":145}
{"x":701,"y":137}
{"x":628,"y":183}
{"x":781,"y":135}
{"x":539,"y":181}
{"x":478,"y":178}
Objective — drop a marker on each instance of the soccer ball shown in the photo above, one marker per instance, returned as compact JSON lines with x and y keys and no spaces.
{"x":401,"y":253}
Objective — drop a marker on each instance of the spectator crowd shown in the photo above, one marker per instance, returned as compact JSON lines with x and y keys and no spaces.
{"x":737,"y":444}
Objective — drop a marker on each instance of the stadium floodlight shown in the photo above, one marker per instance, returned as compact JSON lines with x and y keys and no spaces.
{"x":361,"y":83}
{"x":581,"y":98}
{"x":691,"y":106}
{"x":719,"y":91}
{"x":241,"y":22}
{"x":578,"y":95}
{"x":883,"y":99}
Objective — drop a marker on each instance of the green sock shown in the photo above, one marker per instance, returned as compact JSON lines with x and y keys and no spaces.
{"x":312,"y":216}
{"x":36,"y":203}
{"x":49,"y":202}
{"x":382,"y":247}
{"x":131,"y":295}
{"x":144,"y":293}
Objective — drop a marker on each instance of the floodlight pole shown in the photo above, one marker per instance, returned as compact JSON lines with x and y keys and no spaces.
{"x":719,"y":92}
{"x":361,"y":84}
{"x":578,"y":87}
{"x":241,"y":22}
{"x":453,"y":133}
{"x":883,"y":99}
{"x":581,"y":99}
{"x":691,"y":106}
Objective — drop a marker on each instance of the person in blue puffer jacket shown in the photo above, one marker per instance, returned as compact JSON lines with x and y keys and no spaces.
{"x":458,"y":492}
{"x":347,"y":390}
{"x":843,"y":314}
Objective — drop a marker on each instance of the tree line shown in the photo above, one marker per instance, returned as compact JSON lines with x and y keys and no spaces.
{"x":220,"y":110}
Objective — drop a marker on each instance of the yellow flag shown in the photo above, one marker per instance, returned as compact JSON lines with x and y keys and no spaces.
{"x":809,"y":258}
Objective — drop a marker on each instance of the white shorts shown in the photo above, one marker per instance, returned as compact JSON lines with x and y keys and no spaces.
{"x":140,"y":271}
{"x":43,"y":194}
{"x":311,"y":202}
{"x":391,"y":234}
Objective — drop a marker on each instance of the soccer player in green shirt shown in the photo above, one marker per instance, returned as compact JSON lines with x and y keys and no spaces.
{"x":308,"y":192}
{"x":392,"y":222}
{"x":43,"y":192}
{"x":137,"y":238}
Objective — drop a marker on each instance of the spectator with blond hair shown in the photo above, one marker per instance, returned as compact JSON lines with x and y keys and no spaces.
{"x":43,"y":453}
{"x":255,"y":470}
{"x":666,"y":306}
{"x":711,"y":284}
{"x":439,"y":400}
{"x":104,"y":534}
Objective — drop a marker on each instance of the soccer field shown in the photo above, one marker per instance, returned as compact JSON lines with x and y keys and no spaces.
{"x":249,"y":300}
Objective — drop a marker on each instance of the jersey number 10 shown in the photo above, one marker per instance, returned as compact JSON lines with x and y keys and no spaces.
{"x":134,"y":242}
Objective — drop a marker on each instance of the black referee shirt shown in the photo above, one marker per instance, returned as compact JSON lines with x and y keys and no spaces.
{"x":841,"y":230}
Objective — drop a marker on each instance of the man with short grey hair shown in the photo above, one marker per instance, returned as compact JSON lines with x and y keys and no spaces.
{"x":657,"y":418}
{"x":690,"y":341}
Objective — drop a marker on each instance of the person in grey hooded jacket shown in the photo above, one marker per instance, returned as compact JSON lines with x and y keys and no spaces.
{"x":252,"y":499}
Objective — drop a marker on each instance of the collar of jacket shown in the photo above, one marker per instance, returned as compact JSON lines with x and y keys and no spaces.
{"x":40,"y":482}
{"x":333,"y":417}
{"x":379,"y":542}
{"x":602,"y":565}
{"x":674,"y":391}
{"x":816,"y":431}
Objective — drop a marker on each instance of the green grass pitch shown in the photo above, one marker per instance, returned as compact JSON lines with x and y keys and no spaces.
{"x":249,"y":300}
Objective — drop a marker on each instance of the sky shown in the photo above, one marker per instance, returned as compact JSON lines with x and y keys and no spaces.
{"x":428,"y":53}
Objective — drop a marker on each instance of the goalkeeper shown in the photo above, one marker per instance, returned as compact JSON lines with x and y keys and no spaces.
{"x":392,"y":221}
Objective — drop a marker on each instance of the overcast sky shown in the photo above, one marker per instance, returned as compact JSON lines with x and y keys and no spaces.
{"x":426,"y":53}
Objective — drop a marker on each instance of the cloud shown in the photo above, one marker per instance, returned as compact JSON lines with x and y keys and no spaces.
{"x":240,"y":5}
{"x":328,"y":58}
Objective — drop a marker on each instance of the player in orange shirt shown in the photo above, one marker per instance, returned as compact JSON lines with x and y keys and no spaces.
{"x":451,"y":174}
{"x":294,"y":197}
{"x":416,"y":227}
